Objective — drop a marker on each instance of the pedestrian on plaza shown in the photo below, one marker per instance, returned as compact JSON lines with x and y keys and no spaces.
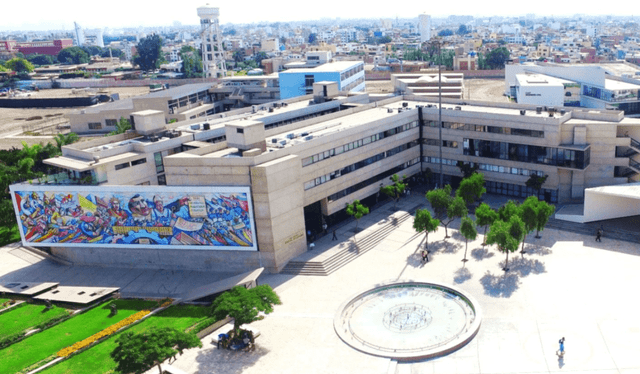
{"x":599,"y":235}
{"x":311,"y":246}
{"x":324,"y":228}
{"x":561,"y":350}
{"x":334,"y":237}
{"x":425,"y":256}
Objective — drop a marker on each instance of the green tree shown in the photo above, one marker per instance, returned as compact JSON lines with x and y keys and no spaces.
{"x":545,"y":211}
{"x":456,"y":209}
{"x":3,"y":69}
{"x":471,"y":188}
{"x":19,"y":65}
{"x":121,"y":127}
{"x":529,"y":216}
{"x":73,"y":55}
{"x":244,"y":305}
{"x":258,"y":57}
{"x":445,"y":32}
{"x":137,"y":353}
{"x":423,"y":222}
{"x":191,"y":62}
{"x":485,"y":216}
{"x":497,"y":58}
{"x":468,"y":230}
{"x":238,"y":56}
{"x":64,"y":139}
{"x":440,"y":199}
{"x":38,"y":59}
{"x":312,"y":38}
{"x":149,"y":52}
{"x":462,"y":30}
{"x":536,"y":182}
{"x":500,"y":234}
{"x":357,"y":210}
{"x":508,"y":210}
{"x":466,"y":169}
{"x":396,"y":189}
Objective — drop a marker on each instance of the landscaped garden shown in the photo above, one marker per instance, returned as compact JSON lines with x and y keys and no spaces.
{"x":45,"y":344}
{"x":97,"y":359}
{"x":28,"y":316}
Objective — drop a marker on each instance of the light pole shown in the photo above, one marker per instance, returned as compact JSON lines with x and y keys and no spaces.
{"x":438,"y":45}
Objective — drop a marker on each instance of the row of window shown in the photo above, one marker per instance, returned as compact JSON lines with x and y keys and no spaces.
{"x":357,"y":144}
{"x":185,"y":100}
{"x":487,"y":167}
{"x":372,"y":180}
{"x":353,"y":84}
{"x":132,"y":163}
{"x":445,"y":143}
{"x":358,"y":165}
{"x":269,"y":126}
{"x":527,"y":153}
{"x":521,"y":191}
{"x":351,"y":72}
{"x":488,"y":129}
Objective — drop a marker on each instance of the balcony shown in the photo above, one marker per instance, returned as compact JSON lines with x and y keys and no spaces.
{"x":65,"y":179}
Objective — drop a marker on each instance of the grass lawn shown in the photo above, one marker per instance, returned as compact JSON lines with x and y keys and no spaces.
{"x":2,"y":301}
{"x":9,"y":235}
{"x":98,"y":360}
{"x":26,"y":316}
{"x":39,"y":346}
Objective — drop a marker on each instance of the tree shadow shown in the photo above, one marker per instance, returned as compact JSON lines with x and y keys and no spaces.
{"x":415,"y":259}
{"x":451,"y":247}
{"x":225,"y":361}
{"x":526,"y":266}
{"x":462,"y":275}
{"x":535,"y":249}
{"x":481,"y":253}
{"x":458,"y":236}
{"x":503,"y":285}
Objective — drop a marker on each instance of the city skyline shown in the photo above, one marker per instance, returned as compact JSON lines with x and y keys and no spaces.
{"x":44,"y":15}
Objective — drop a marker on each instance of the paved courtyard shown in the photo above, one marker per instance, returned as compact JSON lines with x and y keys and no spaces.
{"x":566,"y":285}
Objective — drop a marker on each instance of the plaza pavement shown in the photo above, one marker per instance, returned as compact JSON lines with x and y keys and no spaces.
{"x":566,"y":285}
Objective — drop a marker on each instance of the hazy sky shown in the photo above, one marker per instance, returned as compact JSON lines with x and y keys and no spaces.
{"x":43,"y":15}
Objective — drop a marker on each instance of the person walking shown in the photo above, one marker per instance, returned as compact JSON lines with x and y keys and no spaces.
{"x":425,"y":256}
{"x":324,"y":228}
{"x":334,"y":237}
{"x":561,"y":350}
{"x":599,"y":235}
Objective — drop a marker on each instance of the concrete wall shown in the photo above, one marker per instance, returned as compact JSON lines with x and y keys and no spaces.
{"x":599,"y":206}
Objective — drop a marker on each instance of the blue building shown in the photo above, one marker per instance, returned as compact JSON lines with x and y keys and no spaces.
{"x":298,"y":82}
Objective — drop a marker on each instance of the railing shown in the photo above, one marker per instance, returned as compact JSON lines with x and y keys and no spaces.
{"x":64,"y":179}
{"x":635,"y":165}
{"x":635,"y":144}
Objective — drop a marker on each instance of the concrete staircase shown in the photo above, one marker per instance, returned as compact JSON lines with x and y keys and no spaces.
{"x":348,"y":254}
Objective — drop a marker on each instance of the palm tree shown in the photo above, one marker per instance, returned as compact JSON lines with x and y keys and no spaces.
{"x":64,"y":139}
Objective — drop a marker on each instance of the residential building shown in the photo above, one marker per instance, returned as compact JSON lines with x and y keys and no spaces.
{"x":51,"y":47}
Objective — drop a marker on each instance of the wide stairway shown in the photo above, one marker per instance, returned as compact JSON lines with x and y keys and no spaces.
{"x":350,"y":253}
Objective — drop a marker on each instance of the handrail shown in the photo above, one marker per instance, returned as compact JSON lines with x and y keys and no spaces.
{"x":635,"y":165}
{"x":635,"y":143}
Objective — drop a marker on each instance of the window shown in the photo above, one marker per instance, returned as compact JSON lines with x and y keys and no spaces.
{"x":122,"y":166}
{"x":162,"y":180}
{"x":309,"y":80}
{"x":159,"y":164}
{"x":95,"y":125}
{"x":138,"y":162}
{"x":111,"y":122}
{"x":240,"y":131}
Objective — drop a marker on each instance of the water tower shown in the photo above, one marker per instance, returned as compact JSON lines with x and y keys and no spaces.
{"x":212,"y":52}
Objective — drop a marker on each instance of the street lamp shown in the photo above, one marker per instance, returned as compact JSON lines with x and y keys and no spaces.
{"x":436,"y":43}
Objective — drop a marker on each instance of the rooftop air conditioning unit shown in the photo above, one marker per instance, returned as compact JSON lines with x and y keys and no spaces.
{"x":270,"y":110}
{"x":562,"y":112}
{"x":405,"y":104}
{"x":458,"y":108}
{"x":206,"y":126}
{"x":274,"y":140}
{"x":390,"y":110}
{"x":291,"y":136}
{"x":538,"y":110}
{"x":523,"y":112}
{"x":195,"y":127}
{"x":308,"y":137}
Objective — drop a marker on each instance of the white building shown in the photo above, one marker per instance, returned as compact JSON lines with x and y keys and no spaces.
{"x":425,"y":27}
{"x":212,"y":52}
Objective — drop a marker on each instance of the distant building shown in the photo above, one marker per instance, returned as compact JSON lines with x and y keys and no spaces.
{"x":424,"y":27}
{"x":427,"y":85}
{"x":51,"y":47}
{"x":298,"y":82}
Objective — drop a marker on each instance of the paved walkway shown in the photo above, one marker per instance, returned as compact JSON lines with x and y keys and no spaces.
{"x":566,"y":285}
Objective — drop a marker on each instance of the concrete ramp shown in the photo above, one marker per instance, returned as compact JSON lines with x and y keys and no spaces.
{"x":244,"y":279}
{"x":609,"y":202}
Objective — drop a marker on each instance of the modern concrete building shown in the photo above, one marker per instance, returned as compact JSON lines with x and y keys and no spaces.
{"x":300,"y":161}
{"x":602,"y":86}
{"x":299,"y":82}
{"x":428,"y":84}
{"x":180,"y":103}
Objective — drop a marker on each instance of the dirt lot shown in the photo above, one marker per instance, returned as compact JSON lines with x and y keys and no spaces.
{"x":12,"y":120}
{"x":475,"y":89}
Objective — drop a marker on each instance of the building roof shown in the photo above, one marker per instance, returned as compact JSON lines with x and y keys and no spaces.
{"x":611,"y":84}
{"x":179,"y":91}
{"x":329,"y":67}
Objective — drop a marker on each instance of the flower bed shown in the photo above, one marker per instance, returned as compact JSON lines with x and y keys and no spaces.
{"x":108,"y":331}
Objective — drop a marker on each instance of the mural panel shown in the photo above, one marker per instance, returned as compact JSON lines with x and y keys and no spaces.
{"x":205,"y":218}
